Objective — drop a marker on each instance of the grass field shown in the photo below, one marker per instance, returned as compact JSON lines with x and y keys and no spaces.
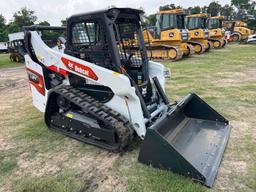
{"x":32,"y":158}
{"x":5,"y":61}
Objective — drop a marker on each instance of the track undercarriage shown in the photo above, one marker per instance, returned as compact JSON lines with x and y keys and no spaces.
{"x":78,"y":115}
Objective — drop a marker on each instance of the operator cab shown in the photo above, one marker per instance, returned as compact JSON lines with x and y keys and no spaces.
{"x":171,"y":19}
{"x":111,"y":39}
{"x":196,"y":22}
{"x":214,"y":23}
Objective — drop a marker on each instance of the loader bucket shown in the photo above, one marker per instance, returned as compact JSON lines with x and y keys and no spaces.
{"x":189,"y":140}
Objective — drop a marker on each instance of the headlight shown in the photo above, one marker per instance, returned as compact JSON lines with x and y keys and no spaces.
{"x":171,"y":34}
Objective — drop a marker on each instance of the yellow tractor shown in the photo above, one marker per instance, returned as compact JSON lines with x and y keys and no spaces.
{"x":168,"y":39}
{"x":198,"y":32}
{"x":239,"y":31}
{"x":216,"y":32}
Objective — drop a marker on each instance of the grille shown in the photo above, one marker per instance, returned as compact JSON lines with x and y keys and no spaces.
{"x":184,"y":36}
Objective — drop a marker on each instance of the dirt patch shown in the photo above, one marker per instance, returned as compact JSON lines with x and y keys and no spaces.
{"x":240,"y":166}
{"x":234,"y":78}
{"x":96,"y":168}
{"x":42,"y":164}
{"x":12,"y":78}
{"x":4,"y":145}
{"x":97,"y":171}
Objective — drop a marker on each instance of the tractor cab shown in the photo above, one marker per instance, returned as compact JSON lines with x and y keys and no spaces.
{"x":197,"y":21}
{"x":215,"y":22}
{"x":197,"y":24}
{"x":173,"y":20}
{"x":111,"y":39}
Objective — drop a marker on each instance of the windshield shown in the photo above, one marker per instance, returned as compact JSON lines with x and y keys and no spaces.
{"x":168,"y":21}
{"x":214,"y":23}
{"x":196,"y":23}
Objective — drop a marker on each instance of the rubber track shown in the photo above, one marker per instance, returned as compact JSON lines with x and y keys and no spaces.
{"x":101,"y":112}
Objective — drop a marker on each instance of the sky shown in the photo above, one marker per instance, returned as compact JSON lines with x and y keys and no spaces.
{"x":54,"y":11}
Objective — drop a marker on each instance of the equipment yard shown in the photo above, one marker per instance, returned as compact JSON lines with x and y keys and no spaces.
{"x":33,"y":158}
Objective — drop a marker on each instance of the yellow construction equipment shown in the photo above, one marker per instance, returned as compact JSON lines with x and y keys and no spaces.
{"x":168,"y":38}
{"x":239,"y":31}
{"x":198,"y":32}
{"x":216,"y":32}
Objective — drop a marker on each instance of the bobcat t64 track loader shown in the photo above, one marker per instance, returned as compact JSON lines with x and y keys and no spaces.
{"x":102,"y":91}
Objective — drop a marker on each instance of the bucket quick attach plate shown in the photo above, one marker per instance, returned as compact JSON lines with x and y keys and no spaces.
{"x":190,"y":140}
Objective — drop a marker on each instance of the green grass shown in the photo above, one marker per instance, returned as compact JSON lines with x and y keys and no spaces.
{"x":65,"y":182}
{"x":84,"y":167}
{"x":7,"y":163}
{"x":199,"y":74}
{"x":6,"y":63}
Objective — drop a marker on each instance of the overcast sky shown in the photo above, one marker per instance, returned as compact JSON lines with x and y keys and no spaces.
{"x":55,"y":10}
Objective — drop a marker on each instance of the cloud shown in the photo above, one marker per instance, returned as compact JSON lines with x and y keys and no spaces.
{"x":55,"y":11}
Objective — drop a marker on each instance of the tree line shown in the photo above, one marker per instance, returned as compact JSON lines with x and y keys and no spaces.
{"x":237,"y":10}
{"x":23,"y":17}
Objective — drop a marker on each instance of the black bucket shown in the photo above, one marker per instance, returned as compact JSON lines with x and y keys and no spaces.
{"x":189,"y":140}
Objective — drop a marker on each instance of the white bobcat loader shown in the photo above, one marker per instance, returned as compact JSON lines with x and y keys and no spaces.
{"x":102,"y":90}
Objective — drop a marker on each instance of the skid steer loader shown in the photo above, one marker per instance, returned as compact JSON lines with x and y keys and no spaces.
{"x":103,"y":91}
{"x":216,"y":32}
{"x":198,"y":32}
{"x":168,"y":38}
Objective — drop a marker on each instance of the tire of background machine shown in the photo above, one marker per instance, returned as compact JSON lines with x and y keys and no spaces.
{"x":174,"y":51}
{"x":219,"y":44}
{"x":236,"y":38}
{"x":17,"y":58}
{"x":200,"y":48}
{"x":11,"y":58}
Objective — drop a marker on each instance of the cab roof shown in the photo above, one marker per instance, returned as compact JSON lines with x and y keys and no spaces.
{"x":204,"y":15}
{"x":106,"y":11}
{"x":217,"y":17}
{"x":172,"y":11}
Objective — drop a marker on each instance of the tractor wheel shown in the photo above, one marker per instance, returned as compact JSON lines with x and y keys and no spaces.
{"x":217,"y":44}
{"x":198,"y":49}
{"x":17,"y":58}
{"x":236,"y":38}
{"x":172,"y":54}
{"x":11,"y":58}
